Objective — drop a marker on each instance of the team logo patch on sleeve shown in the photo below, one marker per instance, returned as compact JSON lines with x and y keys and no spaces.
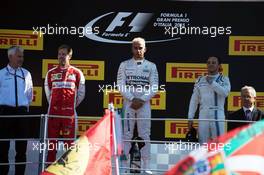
{"x":71,"y":77}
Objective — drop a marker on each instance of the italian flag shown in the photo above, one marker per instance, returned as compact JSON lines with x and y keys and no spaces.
{"x":238,"y":152}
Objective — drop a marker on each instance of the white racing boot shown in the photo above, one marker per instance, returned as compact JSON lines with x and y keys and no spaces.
{"x":146,"y":166}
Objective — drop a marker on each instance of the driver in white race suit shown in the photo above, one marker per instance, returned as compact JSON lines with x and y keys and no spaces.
{"x":210,"y":92}
{"x":137,"y":81}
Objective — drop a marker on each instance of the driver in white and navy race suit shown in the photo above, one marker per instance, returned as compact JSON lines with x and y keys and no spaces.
{"x":210,"y":92}
{"x":137,"y":81}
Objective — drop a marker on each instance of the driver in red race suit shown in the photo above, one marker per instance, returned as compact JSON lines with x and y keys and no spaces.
{"x":65,"y":90}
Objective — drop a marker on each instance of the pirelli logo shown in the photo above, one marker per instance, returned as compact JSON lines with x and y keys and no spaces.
{"x":158,"y":102}
{"x":187,"y":72}
{"x":23,"y":38}
{"x":234,"y":101}
{"x":85,"y":124}
{"x":246,"y":45}
{"x":177,"y":129}
{"x":113,"y":97}
{"x":37,"y":96}
{"x":92,"y":70}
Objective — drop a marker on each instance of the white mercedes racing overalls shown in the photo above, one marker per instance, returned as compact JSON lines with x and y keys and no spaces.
{"x":137,"y":79}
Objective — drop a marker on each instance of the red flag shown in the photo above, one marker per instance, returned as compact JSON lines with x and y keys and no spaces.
{"x":91,"y":153}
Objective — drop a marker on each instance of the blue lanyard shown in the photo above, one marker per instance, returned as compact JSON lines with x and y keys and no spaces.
{"x":23,"y":75}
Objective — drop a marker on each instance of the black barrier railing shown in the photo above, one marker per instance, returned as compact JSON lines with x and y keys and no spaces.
{"x":44,"y":127}
{"x":42,"y":138}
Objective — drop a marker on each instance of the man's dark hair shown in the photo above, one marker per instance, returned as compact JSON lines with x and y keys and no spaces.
{"x":218,"y":59}
{"x":67,"y":47}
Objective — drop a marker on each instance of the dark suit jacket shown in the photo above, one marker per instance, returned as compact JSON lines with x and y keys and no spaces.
{"x":240,"y":115}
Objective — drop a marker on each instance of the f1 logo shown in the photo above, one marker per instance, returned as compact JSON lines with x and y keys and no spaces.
{"x":137,"y":24}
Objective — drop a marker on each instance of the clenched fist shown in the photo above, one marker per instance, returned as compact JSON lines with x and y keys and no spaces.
{"x":136,"y":103}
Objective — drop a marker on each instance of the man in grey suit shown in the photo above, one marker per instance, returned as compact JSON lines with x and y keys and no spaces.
{"x":248,"y":110}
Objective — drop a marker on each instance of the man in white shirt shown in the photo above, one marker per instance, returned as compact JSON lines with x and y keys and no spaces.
{"x":16,"y":92}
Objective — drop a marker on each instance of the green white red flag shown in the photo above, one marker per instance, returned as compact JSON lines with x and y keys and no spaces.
{"x":238,"y":152}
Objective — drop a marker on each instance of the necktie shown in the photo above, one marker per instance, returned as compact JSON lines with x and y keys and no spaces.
{"x":16,"y":94}
{"x":138,"y":63}
{"x":248,"y":115}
